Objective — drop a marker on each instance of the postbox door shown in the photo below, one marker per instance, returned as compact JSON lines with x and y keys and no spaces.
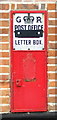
{"x":28,"y":80}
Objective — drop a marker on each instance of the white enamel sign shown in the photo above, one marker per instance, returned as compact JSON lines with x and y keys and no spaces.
{"x":28,"y":31}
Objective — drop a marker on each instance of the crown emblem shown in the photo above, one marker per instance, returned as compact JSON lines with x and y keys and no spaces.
{"x":28,"y":19}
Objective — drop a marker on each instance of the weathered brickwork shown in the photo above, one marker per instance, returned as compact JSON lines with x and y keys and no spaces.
{"x":51,"y":6}
{"x":4,"y":15}
{"x":4,"y":77}
{"x":12,"y":6}
{"x":5,"y":8}
{"x":4,"y":39}
{"x":4,"y":62}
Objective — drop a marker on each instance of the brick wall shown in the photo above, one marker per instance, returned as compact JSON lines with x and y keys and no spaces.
{"x":5,"y":8}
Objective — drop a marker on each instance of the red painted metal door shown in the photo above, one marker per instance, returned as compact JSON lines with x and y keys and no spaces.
{"x":28,"y":80}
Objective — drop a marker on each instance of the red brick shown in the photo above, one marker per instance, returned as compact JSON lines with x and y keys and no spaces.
{"x":4,"y":77}
{"x":52,"y":99}
{"x":4,"y":38}
{"x":52,"y":107}
{"x":4,"y":92}
{"x":51,"y":6}
{"x":4,"y":6}
{"x":27,"y":6}
{"x":52,"y":68}
{"x":12,"y":6}
{"x":52,"y":84}
{"x":5,"y":108}
{"x":4,"y":54}
{"x":4,"y":31}
{"x":4,"y":62}
{"x":52,"y":30}
{"x":4,"y":84}
{"x":52,"y":91}
{"x":4,"y":23}
{"x":4,"y":15}
{"x":4,"y":46}
{"x":52,"y":53}
{"x":52,"y":22}
{"x":52,"y":45}
{"x":4,"y":69}
{"x":4,"y":100}
{"x":52,"y":76}
{"x":52,"y":61}
{"x":52,"y":15}
{"x":52,"y":37}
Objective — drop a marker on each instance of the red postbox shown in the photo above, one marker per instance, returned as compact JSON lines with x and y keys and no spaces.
{"x":28,"y":34}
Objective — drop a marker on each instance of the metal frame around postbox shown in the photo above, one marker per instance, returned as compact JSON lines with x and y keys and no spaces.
{"x":11,"y":46}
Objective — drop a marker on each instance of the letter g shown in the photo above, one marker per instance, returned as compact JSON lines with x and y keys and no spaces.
{"x":18,"y":19}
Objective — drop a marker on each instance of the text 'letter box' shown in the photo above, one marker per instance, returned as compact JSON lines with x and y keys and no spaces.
{"x":28,"y":34}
